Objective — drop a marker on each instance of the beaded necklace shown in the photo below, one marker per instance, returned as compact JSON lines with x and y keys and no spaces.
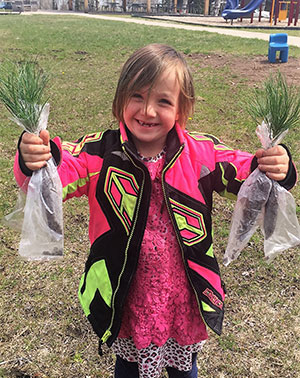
{"x":155,"y":158}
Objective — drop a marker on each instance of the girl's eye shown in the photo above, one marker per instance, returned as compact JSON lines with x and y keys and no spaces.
{"x":137,"y":96}
{"x":165,"y":101}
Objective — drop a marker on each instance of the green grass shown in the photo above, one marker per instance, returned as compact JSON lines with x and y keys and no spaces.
{"x":44,"y":332}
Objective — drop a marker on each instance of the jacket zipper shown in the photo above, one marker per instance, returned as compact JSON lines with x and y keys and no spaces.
{"x":108,"y":333}
{"x":176,"y":231}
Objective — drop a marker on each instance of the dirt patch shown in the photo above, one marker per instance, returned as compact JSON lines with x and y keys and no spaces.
{"x":255,"y":69}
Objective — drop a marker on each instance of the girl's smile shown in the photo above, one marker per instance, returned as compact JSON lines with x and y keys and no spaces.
{"x":147,"y":124}
{"x":149,"y":116}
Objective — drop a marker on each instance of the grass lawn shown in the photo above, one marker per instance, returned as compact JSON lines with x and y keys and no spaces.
{"x":44,"y":332}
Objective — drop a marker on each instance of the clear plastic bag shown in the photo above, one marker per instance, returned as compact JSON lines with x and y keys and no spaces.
{"x":248,"y":213}
{"x":280,"y":224}
{"x":263,"y":203}
{"x":16,"y":217}
{"x":42,"y":230}
{"x":42,"y":224}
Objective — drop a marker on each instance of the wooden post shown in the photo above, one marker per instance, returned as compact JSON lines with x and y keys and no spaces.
{"x":175,"y":6}
{"x":272,"y":13}
{"x":148,"y":6}
{"x":86,"y":6}
{"x":206,"y":7}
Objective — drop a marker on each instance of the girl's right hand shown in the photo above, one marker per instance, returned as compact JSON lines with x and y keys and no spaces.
{"x":35,"y":150}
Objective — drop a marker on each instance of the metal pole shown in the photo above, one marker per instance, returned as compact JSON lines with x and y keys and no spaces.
{"x":242,"y":6}
{"x":260,"y":10}
{"x":291,"y":13}
{"x":297,"y":13}
{"x":276,"y":12}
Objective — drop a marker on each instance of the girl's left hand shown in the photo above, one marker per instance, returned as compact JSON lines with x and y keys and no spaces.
{"x":274,"y":162}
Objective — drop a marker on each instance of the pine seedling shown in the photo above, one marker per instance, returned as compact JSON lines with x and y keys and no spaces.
{"x":21,"y":91}
{"x":277,"y":104}
{"x":275,"y":109}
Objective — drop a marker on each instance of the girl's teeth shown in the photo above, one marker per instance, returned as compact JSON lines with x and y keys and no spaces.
{"x":146,"y":124}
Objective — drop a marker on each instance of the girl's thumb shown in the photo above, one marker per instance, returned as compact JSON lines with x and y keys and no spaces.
{"x":45,"y":136}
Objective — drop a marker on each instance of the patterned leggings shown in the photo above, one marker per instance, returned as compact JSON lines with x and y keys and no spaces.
{"x":125,"y":369}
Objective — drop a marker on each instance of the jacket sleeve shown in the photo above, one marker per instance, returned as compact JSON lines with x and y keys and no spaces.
{"x":291,"y":178}
{"x":232,"y":167}
{"x":75,"y":167}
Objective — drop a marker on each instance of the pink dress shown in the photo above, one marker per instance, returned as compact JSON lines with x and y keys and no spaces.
{"x":161,"y":311}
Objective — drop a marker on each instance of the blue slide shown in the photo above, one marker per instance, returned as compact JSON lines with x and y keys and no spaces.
{"x":234,"y":12}
{"x":231,"y":4}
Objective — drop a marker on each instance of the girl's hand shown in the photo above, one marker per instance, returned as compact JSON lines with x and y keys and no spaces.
{"x":35,"y":150}
{"x":274,"y":162}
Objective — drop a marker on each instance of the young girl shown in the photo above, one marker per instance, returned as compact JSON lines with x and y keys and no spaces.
{"x":151,"y":283}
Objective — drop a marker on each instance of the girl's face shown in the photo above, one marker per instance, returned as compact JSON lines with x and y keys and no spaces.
{"x":150,"y":116}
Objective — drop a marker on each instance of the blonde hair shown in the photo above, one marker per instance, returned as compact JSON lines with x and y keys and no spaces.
{"x":144,"y":67}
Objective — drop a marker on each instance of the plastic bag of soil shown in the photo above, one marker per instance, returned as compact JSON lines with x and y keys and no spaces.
{"x":263,"y":203}
{"x":280,"y":224}
{"x":38,"y":212}
{"x":42,"y":230}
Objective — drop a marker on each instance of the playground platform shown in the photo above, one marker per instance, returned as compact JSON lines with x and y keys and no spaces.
{"x":219,"y":22}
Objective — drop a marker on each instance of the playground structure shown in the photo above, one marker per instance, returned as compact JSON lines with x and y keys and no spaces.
{"x":172,"y":7}
{"x":233,"y":11}
{"x":281,"y":10}
{"x":277,"y":10}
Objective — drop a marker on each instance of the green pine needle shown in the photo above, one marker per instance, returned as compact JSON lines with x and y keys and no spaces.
{"x":21,"y":91}
{"x":277,"y":104}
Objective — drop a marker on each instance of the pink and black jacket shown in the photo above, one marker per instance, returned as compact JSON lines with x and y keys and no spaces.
{"x":105,"y":167}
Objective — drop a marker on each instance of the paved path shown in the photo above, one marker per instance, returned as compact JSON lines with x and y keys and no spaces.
{"x":293,"y":41}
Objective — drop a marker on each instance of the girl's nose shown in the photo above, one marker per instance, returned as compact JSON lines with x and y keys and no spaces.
{"x":149,"y":110}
